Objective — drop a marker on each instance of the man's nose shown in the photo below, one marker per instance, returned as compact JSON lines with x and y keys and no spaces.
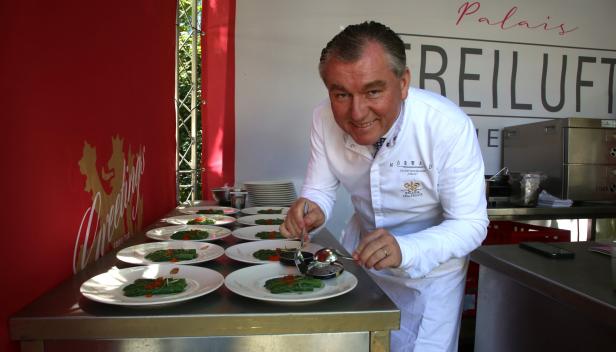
{"x":359,"y":108}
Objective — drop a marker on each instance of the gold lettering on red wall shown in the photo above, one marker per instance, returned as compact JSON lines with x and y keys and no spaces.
{"x":117,"y":206}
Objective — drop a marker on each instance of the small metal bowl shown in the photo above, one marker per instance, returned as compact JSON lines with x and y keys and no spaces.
{"x":287,"y":257}
{"x":222,"y":195}
{"x":324,"y":272}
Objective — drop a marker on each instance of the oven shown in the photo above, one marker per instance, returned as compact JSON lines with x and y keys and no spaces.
{"x":578,"y":156}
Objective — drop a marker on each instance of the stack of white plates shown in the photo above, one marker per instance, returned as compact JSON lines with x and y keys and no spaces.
{"x":270,"y":193}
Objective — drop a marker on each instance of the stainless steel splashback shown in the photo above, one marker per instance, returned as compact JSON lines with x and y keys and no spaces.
{"x":577,"y":154}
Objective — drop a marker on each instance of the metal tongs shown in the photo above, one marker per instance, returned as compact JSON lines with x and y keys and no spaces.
{"x":504,"y":171}
{"x":299,"y":258}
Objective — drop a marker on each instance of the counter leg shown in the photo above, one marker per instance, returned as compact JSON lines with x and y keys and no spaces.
{"x":592,"y":224}
{"x":379,"y":341}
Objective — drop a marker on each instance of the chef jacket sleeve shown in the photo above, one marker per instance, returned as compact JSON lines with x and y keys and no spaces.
{"x":461,"y":189}
{"x":320,"y":184}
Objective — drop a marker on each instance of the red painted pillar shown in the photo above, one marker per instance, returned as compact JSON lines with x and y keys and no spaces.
{"x":218,"y":91}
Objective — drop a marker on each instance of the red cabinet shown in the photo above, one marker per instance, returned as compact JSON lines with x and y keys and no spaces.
{"x":507,"y":232}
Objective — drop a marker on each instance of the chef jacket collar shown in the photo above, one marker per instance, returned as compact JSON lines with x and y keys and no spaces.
{"x":392,"y":134}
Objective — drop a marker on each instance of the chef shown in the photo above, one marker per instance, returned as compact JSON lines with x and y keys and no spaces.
{"x":411,"y":163}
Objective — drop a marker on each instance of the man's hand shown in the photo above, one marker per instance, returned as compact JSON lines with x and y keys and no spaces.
{"x":378,"y":249}
{"x":295,"y":221}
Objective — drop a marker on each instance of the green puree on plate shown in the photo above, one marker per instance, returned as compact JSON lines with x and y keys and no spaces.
{"x":190,"y":235}
{"x":172,"y":255}
{"x":158,"y":286}
{"x":269,"y":235}
{"x":293,"y":283}
{"x":211,"y":211}
{"x":270,"y":211}
{"x":267,"y":254}
{"x":269,"y":221}
{"x":201,"y":221}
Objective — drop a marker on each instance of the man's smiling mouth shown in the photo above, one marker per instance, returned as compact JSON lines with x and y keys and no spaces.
{"x":364,"y":124}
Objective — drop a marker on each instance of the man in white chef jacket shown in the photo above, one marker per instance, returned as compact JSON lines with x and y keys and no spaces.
{"x":411,"y":162}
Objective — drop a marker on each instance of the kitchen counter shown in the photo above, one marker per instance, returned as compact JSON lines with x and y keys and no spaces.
{"x":63,"y":319}
{"x":579,"y":211}
{"x":527,"y":302}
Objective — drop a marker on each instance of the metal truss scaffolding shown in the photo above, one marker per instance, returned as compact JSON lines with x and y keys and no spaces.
{"x":187,"y":100}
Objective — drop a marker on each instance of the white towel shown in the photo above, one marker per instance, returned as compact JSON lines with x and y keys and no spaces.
{"x":547,"y":200}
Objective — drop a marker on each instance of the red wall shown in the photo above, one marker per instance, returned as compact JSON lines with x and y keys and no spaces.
{"x":73,"y":72}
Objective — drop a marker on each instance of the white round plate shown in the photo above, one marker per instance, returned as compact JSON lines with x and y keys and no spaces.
{"x":250,"y":219}
{"x":250,"y":233}
{"x":107,"y":287}
{"x":196,"y":210}
{"x":256,"y":210}
{"x":184,"y":219}
{"x":136,"y":254}
{"x":164,"y":233}
{"x":273,"y":192}
{"x":249,"y":281}
{"x":243,"y":252}
{"x":273,"y":198}
{"x":272,"y":203}
{"x":268,"y":183}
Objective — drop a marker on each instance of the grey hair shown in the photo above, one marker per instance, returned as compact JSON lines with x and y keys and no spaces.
{"x":348,"y":45}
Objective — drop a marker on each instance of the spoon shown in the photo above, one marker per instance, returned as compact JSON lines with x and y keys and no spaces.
{"x":299,"y":258}
{"x":329,"y":255}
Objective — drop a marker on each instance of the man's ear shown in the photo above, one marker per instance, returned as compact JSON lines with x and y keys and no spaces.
{"x":405,"y":81}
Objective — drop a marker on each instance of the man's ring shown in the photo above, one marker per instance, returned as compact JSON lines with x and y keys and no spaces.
{"x":386,"y":252}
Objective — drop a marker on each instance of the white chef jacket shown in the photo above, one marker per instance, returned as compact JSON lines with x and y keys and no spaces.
{"x":426,"y":186}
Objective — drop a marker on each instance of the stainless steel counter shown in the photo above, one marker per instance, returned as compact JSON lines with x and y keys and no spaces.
{"x":62,"y":319}
{"x":582,"y":211}
{"x":588,"y":210}
{"x":528,"y":302}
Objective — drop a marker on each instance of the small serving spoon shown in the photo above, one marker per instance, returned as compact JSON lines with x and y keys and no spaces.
{"x":329,"y":255}
{"x":299,"y":258}
{"x":325,"y":264}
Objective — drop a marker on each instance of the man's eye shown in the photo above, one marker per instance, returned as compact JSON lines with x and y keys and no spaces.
{"x":341,"y":95}
{"x":373,"y":93}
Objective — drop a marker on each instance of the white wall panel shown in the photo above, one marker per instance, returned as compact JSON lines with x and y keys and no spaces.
{"x":278,"y":43}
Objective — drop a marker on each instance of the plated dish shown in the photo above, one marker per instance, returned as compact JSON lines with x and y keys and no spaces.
{"x":166,"y":233}
{"x":108,"y":287}
{"x":265,"y":210}
{"x":216,"y":220}
{"x":262,"y":219}
{"x":250,"y":282}
{"x":208,"y":210}
{"x":243,"y":252}
{"x":250,"y":233}
{"x":137,"y":254}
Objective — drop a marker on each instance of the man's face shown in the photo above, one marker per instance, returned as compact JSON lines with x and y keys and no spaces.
{"x":365,"y":95}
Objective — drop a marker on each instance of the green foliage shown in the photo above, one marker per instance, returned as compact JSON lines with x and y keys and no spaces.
{"x":185,"y":92}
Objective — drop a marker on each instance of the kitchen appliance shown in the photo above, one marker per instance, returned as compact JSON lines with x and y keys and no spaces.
{"x":498,"y":190}
{"x":525,"y":187}
{"x":578,"y":156}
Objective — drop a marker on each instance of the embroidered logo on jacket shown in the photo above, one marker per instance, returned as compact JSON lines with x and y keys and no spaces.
{"x":411,"y":168}
{"x":411,"y":189}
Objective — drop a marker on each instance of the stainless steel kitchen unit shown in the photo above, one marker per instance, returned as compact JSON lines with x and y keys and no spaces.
{"x":528,"y":302}
{"x":578,"y":155}
{"x":64,"y":320}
